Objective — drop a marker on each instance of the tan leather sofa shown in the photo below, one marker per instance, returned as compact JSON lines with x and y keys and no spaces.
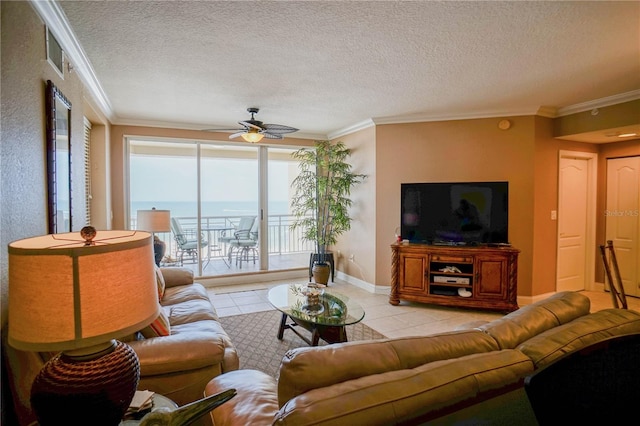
{"x":177,"y":366}
{"x":474,"y":374}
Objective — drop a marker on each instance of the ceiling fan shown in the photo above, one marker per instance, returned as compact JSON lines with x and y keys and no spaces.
{"x":254,"y":130}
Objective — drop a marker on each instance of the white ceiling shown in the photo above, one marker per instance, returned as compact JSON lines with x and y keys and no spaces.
{"x":328,"y":66}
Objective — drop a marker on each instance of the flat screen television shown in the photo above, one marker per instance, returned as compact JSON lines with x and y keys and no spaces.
{"x":455,"y":213}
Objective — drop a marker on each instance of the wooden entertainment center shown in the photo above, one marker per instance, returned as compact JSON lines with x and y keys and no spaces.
{"x":441,"y":275}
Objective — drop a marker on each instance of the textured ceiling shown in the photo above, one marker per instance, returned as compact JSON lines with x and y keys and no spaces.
{"x":326,"y":66}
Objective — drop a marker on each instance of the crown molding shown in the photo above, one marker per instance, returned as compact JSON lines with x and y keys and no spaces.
{"x":312,"y":136}
{"x":549,"y":112}
{"x":543,"y":111}
{"x":351,"y":129}
{"x":53,"y":16}
{"x":599,"y":103}
{"x":198,"y":127}
{"x":418,"y":118}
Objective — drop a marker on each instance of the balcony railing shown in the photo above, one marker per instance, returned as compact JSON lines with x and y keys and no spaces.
{"x":282,"y":239}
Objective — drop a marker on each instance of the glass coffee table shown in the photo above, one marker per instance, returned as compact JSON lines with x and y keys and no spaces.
{"x":325,"y":317}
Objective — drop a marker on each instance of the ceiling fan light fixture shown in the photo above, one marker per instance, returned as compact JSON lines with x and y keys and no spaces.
{"x":252,"y":136}
{"x":254,"y":130}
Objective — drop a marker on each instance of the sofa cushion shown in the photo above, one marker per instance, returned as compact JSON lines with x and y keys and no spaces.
{"x":403,"y":395}
{"x":552,"y":344}
{"x":177,"y":276}
{"x":191,"y":311}
{"x":160,"y":283}
{"x":183,"y":293}
{"x":159,"y":327}
{"x":531,"y":320}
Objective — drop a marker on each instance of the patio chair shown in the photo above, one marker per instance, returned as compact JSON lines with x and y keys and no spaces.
{"x":244,"y":225}
{"x":244,"y":244}
{"x":187,"y":241}
{"x":241,"y":231}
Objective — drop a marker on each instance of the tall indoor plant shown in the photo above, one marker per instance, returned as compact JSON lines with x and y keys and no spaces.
{"x":320,"y":204}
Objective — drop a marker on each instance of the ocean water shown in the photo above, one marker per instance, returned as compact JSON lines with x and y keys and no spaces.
{"x":209,"y":208}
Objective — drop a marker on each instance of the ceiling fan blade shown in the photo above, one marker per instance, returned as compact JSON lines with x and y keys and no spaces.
{"x":249,"y":124}
{"x":235,"y":135}
{"x":279,"y":129}
{"x":222,"y":130}
{"x":271,"y":135}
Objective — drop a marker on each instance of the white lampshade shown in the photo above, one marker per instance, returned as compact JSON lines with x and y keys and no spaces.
{"x":65,"y":294}
{"x":154,"y":220}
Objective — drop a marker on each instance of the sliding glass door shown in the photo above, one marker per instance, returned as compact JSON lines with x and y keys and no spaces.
{"x":229,"y":207}
{"x":287,"y":248}
{"x":164,"y":176}
{"x":234,"y":198}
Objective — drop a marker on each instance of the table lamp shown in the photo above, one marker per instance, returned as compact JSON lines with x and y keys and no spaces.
{"x":76,"y":293}
{"x":155,"y":221}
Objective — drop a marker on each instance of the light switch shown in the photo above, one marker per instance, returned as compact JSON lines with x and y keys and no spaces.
{"x":554,"y":215}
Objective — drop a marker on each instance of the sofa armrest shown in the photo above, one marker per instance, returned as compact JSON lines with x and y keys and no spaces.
{"x":178,"y":352}
{"x":410,"y":396}
{"x":177,"y":276}
{"x":255,"y":403}
{"x":531,"y":320}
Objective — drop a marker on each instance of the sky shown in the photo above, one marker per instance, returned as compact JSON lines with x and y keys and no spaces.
{"x":155,"y":178}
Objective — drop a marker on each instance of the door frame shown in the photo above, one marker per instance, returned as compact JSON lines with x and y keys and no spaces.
{"x":590,"y":232}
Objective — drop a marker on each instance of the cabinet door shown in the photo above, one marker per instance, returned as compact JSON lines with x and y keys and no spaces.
{"x":491,"y":277}
{"x":412,"y":273}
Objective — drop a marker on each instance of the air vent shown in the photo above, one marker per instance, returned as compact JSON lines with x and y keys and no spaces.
{"x":55,"y":54}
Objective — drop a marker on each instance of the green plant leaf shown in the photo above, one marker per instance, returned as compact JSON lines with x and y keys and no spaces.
{"x":320,"y":204}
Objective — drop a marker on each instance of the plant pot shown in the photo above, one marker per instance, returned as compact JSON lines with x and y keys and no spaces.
{"x":320,"y":272}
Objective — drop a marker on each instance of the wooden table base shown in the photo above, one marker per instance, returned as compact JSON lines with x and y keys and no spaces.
{"x":328,"y":333}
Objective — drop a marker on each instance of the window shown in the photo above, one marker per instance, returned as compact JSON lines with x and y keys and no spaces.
{"x":209,"y":188}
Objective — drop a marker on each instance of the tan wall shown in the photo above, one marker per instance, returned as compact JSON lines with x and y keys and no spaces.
{"x":25,"y":70}
{"x":23,"y":190}
{"x":545,"y":200}
{"x":461,"y":150}
{"x":361,"y":240}
{"x":619,"y":115}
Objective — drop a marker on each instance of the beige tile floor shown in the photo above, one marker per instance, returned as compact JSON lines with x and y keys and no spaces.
{"x":406,"y":319}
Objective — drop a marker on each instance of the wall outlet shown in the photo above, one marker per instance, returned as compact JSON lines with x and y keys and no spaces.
{"x":352,"y":257}
{"x":554,"y":214}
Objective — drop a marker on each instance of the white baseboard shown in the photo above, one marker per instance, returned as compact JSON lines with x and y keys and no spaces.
{"x":255,"y":277}
{"x":527,"y":300}
{"x":371,"y":288}
{"x":302,"y":274}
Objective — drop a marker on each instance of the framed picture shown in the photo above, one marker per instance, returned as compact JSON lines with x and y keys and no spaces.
{"x":58,"y":159}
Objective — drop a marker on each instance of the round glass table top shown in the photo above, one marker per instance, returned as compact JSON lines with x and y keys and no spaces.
{"x":329,"y":308}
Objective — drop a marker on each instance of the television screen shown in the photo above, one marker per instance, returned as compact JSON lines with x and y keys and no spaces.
{"x":462,"y":213}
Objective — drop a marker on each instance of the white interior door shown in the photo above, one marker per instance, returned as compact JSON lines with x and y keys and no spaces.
{"x":623,"y":218}
{"x":576,"y":205}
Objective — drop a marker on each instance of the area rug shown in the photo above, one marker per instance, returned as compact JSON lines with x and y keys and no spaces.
{"x":255,"y":338}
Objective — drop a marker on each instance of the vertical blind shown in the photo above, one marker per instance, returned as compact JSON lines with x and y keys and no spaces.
{"x":87,"y":171}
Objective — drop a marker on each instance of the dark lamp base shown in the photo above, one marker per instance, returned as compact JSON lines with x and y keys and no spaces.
{"x":75,"y":392}
{"x":159,"y":248}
